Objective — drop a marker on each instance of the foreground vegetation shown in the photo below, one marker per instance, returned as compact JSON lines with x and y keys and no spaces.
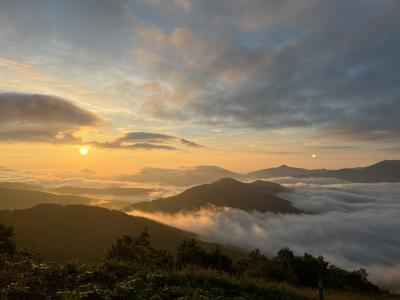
{"x":133,"y":269}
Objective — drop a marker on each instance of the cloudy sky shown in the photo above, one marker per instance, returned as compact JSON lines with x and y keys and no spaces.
{"x":240,"y":84}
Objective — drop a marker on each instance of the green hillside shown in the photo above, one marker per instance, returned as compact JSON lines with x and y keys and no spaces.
{"x":85,"y":232}
{"x":134,"y":269}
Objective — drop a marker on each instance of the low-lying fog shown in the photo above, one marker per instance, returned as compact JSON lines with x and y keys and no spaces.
{"x":351,"y":225}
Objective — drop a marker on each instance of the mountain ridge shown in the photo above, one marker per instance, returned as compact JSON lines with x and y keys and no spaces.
{"x":21,"y":199}
{"x":207,"y":174}
{"x":48,"y":229}
{"x":225,"y":192}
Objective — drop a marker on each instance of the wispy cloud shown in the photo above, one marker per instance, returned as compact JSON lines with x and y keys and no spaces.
{"x":147,"y":140}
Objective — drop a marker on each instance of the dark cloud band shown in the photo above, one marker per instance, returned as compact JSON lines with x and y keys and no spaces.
{"x":42,"y":118}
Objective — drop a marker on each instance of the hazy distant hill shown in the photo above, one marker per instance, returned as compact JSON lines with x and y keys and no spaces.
{"x":17,"y":199}
{"x":227,"y":192}
{"x":20,"y":186}
{"x":114,"y":191}
{"x":72,"y":190}
{"x":181,"y":177}
{"x":282,"y":171}
{"x":384,"y":171}
{"x":60,"y":233}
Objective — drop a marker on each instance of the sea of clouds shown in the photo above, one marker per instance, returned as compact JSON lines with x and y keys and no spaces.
{"x":352,"y":225}
{"x":51,"y":178}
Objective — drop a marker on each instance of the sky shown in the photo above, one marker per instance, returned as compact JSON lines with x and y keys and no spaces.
{"x":239,"y":84}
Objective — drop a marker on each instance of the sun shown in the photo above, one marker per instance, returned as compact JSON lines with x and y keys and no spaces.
{"x":314,"y":155}
{"x":84,"y":151}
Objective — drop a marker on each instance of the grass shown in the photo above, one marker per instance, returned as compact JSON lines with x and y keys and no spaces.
{"x":209,"y":284}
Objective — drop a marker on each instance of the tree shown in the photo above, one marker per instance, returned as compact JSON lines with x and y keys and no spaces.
{"x":189,"y":253}
{"x":255,"y":264}
{"x":309,"y":268}
{"x":7,"y":246}
{"x":139,"y":251}
{"x":219,"y":261}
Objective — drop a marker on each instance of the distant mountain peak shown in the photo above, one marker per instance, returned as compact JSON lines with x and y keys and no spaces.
{"x":289,"y":167}
{"x":226,"y":180}
{"x":387,"y":162}
{"x":209,"y":167}
{"x":226,"y":192}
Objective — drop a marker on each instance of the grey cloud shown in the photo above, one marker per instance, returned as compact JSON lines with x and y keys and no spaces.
{"x":334,"y":69}
{"x":118,"y":145}
{"x":146,"y":140}
{"x":51,"y":119}
{"x":151,"y":146}
{"x":42,"y":118}
{"x":38,"y":108}
{"x":352,"y":225}
{"x":151,"y":137}
{"x":190,"y":143}
{"x":95,"y":25}
{"x":140,"y":136}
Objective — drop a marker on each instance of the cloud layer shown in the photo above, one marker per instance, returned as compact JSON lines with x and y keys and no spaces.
{"x":34,"y":117}
{"x":330,"y":66}
{"x":51,"y":119}
{"x":315,"y":71}
{"x":147,"y":141}
{"x":352,"y":225}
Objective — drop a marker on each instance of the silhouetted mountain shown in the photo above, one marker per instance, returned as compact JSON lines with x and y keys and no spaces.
{"x":282,"y":171}
{"x":384,"y":171}
{"x":72,"y":190}
{"x":227,"y":192}
{"x":18,"y":199}
{"x":60,"y":233}
{"x":269,"y":187}
{"x":182,"y":176}
{"x":114,"y":191}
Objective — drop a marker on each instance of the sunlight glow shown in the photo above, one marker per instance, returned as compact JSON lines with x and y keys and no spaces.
{"x":84,"y":151}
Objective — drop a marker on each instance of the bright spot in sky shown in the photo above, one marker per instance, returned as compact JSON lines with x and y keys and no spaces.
{"x":314,"y":155}
{"x":84,"y":151}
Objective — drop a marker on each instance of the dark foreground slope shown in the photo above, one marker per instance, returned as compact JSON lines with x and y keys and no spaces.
{"x":60,"y":233}
{"x":257,"y":196}
{"x":134,"y":269}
